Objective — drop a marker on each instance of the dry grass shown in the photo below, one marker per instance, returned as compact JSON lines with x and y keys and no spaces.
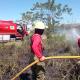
{"x":15,"y":56}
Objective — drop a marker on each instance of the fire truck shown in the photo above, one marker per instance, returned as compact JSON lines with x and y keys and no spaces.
{"x":10,"y":30}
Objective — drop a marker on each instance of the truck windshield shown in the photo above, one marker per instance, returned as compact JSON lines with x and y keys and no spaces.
{"x":19,"y":29}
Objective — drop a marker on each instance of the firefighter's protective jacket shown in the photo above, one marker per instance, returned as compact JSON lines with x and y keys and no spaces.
{"x":36,"y":45}
{"x":79,"y":42}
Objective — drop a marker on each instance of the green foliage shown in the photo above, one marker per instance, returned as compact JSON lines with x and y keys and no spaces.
{"x":55,"y":41}
{"x":27,"y":16}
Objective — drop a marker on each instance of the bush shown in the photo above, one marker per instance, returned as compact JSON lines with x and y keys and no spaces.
{"x":58,"y":45}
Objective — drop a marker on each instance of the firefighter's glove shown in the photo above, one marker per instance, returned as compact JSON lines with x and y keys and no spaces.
{"x":42,"y":58}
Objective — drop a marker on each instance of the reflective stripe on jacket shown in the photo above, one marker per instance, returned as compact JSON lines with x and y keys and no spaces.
{"x":36,"y":45}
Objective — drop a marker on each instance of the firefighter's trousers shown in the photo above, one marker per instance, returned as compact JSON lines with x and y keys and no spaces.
{"x":38,"y":70}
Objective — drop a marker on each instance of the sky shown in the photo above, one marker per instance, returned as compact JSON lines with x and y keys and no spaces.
{"x":12,"y":9}
{"x":75,"y":5}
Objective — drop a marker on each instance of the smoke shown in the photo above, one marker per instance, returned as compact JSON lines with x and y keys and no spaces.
{"x":71,"y":34}
{"x":75,"y":33}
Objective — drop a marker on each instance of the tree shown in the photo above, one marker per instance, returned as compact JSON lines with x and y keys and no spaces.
{"x":49,"y":11}
{"x":27,"y":16}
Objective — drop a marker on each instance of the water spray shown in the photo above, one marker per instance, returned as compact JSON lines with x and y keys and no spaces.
{"x":75,"y":33}
{"x":71,"y":35}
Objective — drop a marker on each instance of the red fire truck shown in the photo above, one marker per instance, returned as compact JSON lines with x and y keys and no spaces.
{"x":10,"y":30}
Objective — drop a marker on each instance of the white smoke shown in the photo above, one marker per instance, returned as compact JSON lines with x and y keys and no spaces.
{"x":75,"y":33}
{"x":72,"y":35}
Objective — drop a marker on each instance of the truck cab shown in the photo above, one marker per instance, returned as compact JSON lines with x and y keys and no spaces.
{"x":10,"y":30}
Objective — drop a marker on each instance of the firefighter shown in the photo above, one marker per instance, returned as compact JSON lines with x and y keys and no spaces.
{"x":38,"y":70}
{"x":78,"y":42}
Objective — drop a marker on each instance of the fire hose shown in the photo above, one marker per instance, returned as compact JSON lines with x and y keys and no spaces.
{"x":37,"y":61}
